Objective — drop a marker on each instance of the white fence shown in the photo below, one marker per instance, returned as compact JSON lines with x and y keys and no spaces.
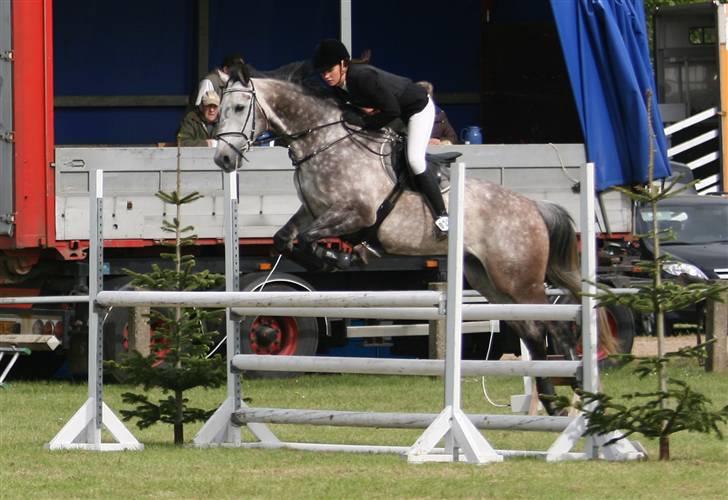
{"x":457,"y":431}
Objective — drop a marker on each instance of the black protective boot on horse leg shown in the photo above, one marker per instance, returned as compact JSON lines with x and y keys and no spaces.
{"x":427,"y":183}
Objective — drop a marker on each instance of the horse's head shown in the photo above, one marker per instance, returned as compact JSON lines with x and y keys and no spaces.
{"x":236,"y":129}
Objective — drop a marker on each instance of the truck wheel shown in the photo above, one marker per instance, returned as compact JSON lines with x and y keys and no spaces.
{"x":622,"y":327}
{"x":278,"y":335}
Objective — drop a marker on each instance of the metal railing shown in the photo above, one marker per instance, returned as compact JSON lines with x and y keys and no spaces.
{"x":711,"y":182}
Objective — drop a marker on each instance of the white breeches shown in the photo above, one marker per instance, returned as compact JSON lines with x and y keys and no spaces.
{"x":419,"y":128}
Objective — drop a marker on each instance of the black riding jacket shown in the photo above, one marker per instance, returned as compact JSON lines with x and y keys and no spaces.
{"x":392,"y":95}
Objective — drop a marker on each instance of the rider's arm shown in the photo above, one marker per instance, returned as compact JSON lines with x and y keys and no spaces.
{"x":367,"y":90}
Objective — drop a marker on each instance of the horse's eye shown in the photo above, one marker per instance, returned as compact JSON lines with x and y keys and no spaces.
{"x":239,"y":108}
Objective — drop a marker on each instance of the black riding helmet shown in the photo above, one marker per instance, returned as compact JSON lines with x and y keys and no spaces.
{"x":329,"y":53}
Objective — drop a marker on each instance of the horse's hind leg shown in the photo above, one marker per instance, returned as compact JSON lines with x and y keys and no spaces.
{"x":536,"y":344}
{"x":532,"y":333}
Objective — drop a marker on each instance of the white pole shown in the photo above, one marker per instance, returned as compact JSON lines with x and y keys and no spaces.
{"x":399,"y":366}
{"x":83,"y":430}
{"x":588,"y":289}
{"x":270,"y":299}
{"x":589,"y":277}
{"x":345,"y":23}
{"x":95,"y":284}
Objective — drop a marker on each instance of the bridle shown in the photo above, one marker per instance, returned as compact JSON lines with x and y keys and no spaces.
{"x":251,"y":115}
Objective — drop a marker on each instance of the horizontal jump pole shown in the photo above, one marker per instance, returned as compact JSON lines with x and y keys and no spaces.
{"x":56,"y":299}
{"x":383,"y":366}
{"x":380,"y":449}
{"x":423,"y":298}
{"x":471,"y":312}
{"x":392,"y":420}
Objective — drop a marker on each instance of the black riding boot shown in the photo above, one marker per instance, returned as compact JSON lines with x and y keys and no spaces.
{"x":427,"y":184}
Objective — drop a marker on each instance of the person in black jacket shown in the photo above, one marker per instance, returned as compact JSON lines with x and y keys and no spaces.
{"x":380,"y":98}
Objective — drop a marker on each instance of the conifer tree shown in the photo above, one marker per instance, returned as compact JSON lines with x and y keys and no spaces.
{"x":674,"y":406}
{"x":180,"y":343}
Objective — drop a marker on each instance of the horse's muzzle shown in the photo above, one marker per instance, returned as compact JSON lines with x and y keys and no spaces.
{"x":225,"y":157}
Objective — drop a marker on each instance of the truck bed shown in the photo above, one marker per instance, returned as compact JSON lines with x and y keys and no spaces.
{"x":132,"y":176}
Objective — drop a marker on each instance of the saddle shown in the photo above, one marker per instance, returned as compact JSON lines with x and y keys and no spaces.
{"x":439,"y":163}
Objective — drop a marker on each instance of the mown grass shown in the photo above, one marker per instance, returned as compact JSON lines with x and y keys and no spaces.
{"x":31,"y":413}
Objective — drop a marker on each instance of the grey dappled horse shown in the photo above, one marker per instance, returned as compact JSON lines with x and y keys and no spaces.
{"x":512,"y":244}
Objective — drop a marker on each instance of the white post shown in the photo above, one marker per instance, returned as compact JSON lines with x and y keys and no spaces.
{"x":595,"y":446}
{"x":219,"y":429}
{"x":452,"y":424}
{"x":345,"y":23}
{"x":83,"y":430}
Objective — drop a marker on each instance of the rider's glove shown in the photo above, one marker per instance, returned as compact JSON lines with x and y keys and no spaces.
{"x":353,"y":118}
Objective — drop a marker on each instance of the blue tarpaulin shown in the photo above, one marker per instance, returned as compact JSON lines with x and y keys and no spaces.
{"x":607,"y":58}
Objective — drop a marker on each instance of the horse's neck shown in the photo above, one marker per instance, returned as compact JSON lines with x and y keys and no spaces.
{"x":289,"y":109}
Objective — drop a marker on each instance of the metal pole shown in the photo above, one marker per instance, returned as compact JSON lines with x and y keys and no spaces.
{"x":345,"y":23}
{"x":453,"y":342}
{"x":95,"y":326}
{"x":588,"y":287}
{"x":270,"y":299}
{"x":384,"y":366}
{"x":232,"y":284}
{"x":393,"y":420}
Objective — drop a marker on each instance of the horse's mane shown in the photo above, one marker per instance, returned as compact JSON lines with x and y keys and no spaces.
{"x":300,"y":73}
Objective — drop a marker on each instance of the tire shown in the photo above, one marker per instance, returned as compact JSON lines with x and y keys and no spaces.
{"x":278,"y":335}
{"x":622,"y":327}
{"x":647,"y":323}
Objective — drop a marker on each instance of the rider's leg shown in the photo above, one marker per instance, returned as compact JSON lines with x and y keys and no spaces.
{"x":419,"y":129}
{"x":429,"y":186}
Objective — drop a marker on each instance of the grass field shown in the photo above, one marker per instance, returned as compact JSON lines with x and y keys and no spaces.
{"x":31,"y":413}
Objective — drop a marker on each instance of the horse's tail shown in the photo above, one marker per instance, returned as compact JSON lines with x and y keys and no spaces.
{"x":563,"y":264}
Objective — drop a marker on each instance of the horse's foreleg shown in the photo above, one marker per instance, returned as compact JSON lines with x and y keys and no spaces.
{"x":337,"y":221}
{"x":334,"y":222}
{"x":308,"y":253}
{"x":284,"y":237}
{"x":303,"y":254}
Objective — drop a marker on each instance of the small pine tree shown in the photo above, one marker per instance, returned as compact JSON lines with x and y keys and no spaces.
{"x":180,"y":344}
{"x":674,"y":406}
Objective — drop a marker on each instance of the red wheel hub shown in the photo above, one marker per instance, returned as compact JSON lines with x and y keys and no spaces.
{"x":273,"y":335}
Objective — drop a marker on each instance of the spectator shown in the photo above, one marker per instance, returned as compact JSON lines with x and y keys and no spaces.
{"x":216,"y":79}
{"x":199,"y":126}
{"x":442,"y":131}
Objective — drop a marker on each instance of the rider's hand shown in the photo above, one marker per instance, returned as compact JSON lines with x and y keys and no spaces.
{"x":353,"y":118}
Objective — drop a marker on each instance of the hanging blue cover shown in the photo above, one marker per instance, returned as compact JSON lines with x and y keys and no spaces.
{"x":607,"y":58}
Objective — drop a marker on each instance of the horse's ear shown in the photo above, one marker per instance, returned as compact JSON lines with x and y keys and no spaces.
{"x":240,"y":72}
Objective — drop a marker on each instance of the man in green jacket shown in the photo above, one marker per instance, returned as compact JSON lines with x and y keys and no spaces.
{"x":199,"y":126}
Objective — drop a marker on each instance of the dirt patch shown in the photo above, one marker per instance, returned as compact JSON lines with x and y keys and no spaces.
{"x":647,"y":346}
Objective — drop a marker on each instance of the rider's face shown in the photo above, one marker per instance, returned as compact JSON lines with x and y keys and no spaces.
{"x":335,"y":76}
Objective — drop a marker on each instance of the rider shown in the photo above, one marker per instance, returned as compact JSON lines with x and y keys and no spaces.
{"x":383,"y":97}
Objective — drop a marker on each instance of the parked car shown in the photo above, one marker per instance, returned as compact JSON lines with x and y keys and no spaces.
{"x":694,"y":236}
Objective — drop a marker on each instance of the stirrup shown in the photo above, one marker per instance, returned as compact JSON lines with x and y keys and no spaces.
{"x":442,"y":223}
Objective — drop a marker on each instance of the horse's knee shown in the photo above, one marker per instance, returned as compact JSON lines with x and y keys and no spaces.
{"x":282,"y":241}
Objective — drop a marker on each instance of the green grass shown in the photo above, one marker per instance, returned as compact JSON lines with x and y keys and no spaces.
{"x":31,"y":414}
